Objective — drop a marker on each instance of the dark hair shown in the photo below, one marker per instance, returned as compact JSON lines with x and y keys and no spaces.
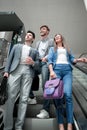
{"x":45,"y":27}
{"x":31,"y":33}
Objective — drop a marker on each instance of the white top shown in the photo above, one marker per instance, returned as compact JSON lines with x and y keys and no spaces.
{"x":42,"y":48}
{"x":61,"y":56}
{"x":25,"y":53}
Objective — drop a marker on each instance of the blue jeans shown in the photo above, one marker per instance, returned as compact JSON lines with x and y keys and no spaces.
{"x":31,"y":94}
{"x":64,"y":71}
{"x":45,"y":77}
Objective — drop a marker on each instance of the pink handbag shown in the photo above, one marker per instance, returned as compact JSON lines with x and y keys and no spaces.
{"x":53,"y":89}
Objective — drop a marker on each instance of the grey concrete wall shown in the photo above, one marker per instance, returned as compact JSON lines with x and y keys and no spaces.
{"x":67,"y":17}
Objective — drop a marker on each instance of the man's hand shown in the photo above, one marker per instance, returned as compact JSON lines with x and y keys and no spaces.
{"x":44,"y":59}
{"x":6,"y":74}
{"x":29,"y":61}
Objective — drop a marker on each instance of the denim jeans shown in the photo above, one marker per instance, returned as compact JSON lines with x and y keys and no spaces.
{"x":64,"y":71}
{"x":31,"y":94}
{"x":45,"y":77}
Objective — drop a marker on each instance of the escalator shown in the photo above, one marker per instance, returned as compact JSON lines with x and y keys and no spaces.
{"x":80,"y":95}
{"x":32,"y":122}
{"x":81,"y":65}
{"x":15,"y":25}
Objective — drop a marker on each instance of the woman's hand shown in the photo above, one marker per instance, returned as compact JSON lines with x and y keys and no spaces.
{"x":52,"y":74}
{"x":80,"y":60}
{"x":84,"y":59}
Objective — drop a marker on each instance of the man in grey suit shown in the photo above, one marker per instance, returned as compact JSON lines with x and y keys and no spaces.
{"x":21,"y":64}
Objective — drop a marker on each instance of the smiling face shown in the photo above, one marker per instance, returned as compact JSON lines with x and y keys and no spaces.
{"x":44,"y":31}
{"x":58,"y":38}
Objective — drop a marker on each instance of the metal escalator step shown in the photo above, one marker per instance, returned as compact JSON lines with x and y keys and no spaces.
{"x":33,"y":110}
{"x":33,"y":123}
{"x":40,"y":124}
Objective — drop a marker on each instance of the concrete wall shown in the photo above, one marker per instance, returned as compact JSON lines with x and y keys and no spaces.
{"x":68,"y":17}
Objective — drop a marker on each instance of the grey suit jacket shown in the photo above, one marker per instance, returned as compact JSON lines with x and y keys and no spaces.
{"x":15,"y":55}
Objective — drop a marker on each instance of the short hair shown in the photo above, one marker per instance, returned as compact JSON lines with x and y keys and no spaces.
{"x":31,"y":33}
{"x":45,"y":27}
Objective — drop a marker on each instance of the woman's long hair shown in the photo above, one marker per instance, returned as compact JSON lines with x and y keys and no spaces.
{"x":63,"y":44}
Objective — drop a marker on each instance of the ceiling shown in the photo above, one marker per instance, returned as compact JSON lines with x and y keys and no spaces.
{"x":9,"y":21}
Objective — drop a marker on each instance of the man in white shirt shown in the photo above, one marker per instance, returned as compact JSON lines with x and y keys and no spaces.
{"x":43,"y":47}
{"x":22,"y":62}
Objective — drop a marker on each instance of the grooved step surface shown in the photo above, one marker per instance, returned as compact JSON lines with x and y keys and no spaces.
{"x":40,"y":124}
{"x":33,"y":110}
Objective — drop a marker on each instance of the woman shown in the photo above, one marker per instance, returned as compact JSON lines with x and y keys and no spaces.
{"x":60,"y":60}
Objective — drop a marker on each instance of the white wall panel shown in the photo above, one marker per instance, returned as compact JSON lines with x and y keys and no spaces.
{"x":68,"y":17}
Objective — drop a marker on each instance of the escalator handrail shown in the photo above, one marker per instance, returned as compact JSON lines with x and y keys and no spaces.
{"x":2,"y":67}
{"x":85,"y":53}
